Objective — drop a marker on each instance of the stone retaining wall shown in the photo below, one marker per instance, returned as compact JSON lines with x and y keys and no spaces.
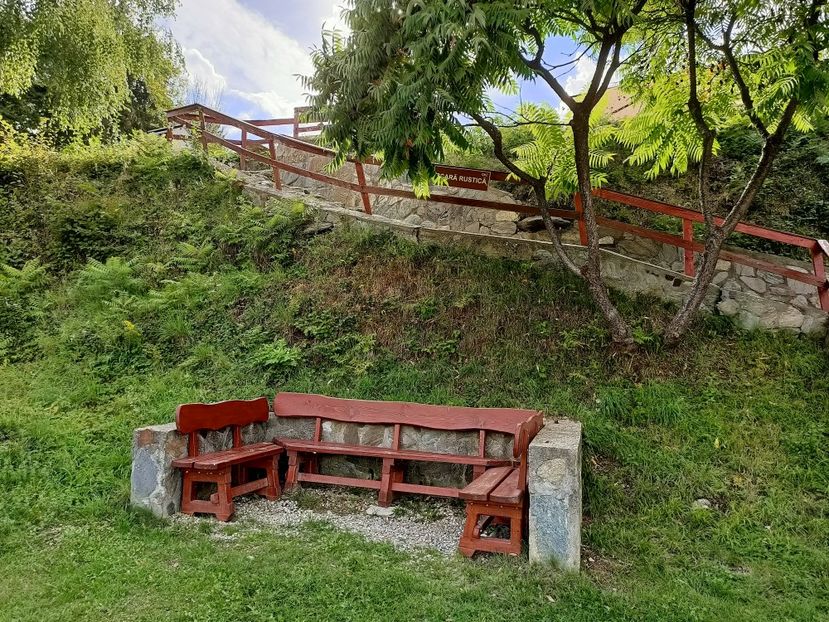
{"x":752,"y":298}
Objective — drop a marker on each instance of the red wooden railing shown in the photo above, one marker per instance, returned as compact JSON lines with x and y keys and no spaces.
{"x":197,"y":117}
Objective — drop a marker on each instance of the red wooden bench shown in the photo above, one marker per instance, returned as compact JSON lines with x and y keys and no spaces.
{"x":499,"y":496}
{"x":230,"y":469}
{"x":500,"y":500}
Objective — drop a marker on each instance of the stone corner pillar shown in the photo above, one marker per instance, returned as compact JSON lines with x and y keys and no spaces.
{"x":154,"y":484}
{"x":554,"y":481}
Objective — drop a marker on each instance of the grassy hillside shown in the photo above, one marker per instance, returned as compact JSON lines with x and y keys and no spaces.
{"x":137,"y":279}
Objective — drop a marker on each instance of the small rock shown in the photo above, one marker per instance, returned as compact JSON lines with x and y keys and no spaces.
{"x":723,"y":265}
{"x":701,"y":504}
{"x":505,"y":216}
{"x":503,"y":228}
{"x":607,"y":241}
{"x":317,"y":228}
{"x":719,"y":278}
{"x":376,"y":510}
{"x":728,"y":307}
{"x":758,"y":285}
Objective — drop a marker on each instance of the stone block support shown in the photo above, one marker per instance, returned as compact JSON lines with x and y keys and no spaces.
{"x":554,"y":479}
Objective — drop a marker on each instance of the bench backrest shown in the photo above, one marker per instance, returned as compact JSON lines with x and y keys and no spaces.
{"x":194,"y":418}
{"x":523,"y":424}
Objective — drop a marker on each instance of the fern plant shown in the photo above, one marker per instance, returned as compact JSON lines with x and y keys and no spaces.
{"x":549,"y":152}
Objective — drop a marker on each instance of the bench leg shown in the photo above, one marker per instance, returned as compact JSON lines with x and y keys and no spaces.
{"x":391,"y":475}
{"x":291,"y":480}
{"x":226,"y":507}
{"x":273,"y":491}
{"x":187,"y":493}
{"x":471,"y":540}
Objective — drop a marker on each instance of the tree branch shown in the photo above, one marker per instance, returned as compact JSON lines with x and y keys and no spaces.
{"x":536,"y":65}
{"x":695,"y":109}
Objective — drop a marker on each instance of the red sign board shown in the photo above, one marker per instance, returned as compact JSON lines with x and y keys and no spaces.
{"x":465,"y":177}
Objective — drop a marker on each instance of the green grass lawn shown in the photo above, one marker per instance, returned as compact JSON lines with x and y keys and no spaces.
{"x":214,"y":298}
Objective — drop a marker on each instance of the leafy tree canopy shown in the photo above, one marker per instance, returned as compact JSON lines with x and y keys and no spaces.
{"x":410,"y":72}
{"x":83,"y":62}
{"x":754,"y":61}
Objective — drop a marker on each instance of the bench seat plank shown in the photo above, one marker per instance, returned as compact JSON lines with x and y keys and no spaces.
{"x":228,"y":457}
{"x":480,"y":487}
{"x":507,"y":491}
{"x":324,"y":447}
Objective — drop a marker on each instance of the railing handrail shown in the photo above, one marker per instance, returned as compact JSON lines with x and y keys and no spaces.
{"x":819,"y":249}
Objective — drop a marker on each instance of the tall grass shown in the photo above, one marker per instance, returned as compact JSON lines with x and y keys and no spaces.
{"x":198,"y":294}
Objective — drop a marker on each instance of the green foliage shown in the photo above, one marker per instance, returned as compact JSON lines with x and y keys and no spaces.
{"x":277,"y":356}
{"x":82,"y":62}
{"x":781,"y":59}
{"x":20,"y":291}
{"x":549,"y":154}
{"x":110,"y":345}
{"x":401,"y":82}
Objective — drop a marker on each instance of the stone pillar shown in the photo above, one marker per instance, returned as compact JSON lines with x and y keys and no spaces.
{"x":554,"y":480}
{"x":154,"y":484}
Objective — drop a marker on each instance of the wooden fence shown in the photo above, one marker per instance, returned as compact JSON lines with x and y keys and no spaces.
{"x":198,"y":118}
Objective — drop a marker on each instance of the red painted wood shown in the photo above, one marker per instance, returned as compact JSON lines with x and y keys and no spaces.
{"x":458,"y":177}
{"x":508,"y":491}
{"x":361,"y":180}
{"x":423,"y":489}
{"x":246,"y":453}
{"x":366,"y":451}
{"x":682,"y":212}
{"x":580,"y":216}
{"x":244,"y":144}
{"x":337,"y":480}
{"x":480,"y":488}
{"x":194,"y":417}
{"x":818,"y":253}
{"x":277,"y":178}
{"x":674,"y":240}
{"x":502,"y":420}
{"x":688,"y":236}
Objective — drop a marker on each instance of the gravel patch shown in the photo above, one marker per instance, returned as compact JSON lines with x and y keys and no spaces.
{"x":431,"y":525}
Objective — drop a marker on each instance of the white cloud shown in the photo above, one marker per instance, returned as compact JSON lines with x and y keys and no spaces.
{"x":335,"y":20}
{"x":576,"y":83}
{"x":201,"y":71}
{"x":239,"y":49}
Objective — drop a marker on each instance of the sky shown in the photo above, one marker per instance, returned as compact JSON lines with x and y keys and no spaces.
{"x":252,"y":51}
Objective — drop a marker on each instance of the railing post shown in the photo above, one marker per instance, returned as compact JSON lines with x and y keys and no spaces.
{"x":688,"y":252}
{"x":242,"y":161}
{"x":296,"y":123}
{"x":820,"y":272}
{"x":277,"y":180}
{"x":580,"y":217}
{"x":169,"y":134}
{"x":203,"y":129}
{"x":361,"y":179}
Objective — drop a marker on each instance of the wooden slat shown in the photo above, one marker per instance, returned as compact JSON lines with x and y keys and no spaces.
{"x":365,"y":451}
{"x":675,"y":240}
{"x":318,"y":478}
{"x":502,"y":420}
{"x":480,"y":488}
{"x":194,"y":417}
{"x":508,"y":490}
{"x":682,"y":212}
{"x":424,"y":489}
{"x":221,"y":459}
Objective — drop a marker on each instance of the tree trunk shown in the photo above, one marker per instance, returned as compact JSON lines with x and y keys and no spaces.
{"x":716,"y":235}
{"x":592,"y":269}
